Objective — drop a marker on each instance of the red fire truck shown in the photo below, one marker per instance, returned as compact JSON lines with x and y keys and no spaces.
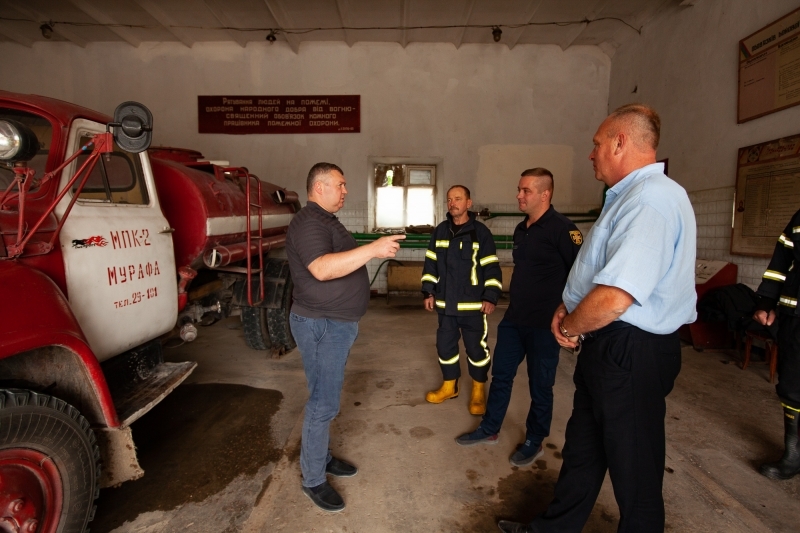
{"x":107,"y":249}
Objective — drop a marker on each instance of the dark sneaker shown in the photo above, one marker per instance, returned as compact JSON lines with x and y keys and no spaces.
{"x":479,"y":436}
{"x":337,"y":467}
{"x":325,"y":497}
{"x":525,"y":454}
{"x":514,"y":527}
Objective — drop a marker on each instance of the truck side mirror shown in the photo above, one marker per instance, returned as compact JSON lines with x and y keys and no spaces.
{"x":133,"y":127}
{"x":17,"y":141}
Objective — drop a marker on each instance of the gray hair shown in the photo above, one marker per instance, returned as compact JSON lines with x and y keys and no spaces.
{"x":643,"y":121}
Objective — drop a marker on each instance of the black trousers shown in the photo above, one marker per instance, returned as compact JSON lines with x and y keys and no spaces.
{"x":788,"y":386}
{"x":621,"y":381}
{"x":474,"y":330}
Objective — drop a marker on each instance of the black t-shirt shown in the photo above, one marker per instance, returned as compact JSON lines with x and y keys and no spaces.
{"x":313,"y":233}
{"x":543,"y":255}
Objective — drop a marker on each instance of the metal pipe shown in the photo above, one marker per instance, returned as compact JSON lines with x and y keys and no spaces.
{"x":221,"y":256}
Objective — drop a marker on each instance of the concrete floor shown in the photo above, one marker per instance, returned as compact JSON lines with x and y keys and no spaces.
{"x":221,"y":454}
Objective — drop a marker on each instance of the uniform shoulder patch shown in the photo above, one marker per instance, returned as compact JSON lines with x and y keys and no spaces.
{"x":576,"y":237}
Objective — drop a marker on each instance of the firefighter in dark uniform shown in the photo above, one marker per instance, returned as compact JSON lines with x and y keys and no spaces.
{"x":780,"y":289}
{"x":462,"y":280}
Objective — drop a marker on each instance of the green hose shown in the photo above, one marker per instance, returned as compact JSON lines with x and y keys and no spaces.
{"x":379,"y":269}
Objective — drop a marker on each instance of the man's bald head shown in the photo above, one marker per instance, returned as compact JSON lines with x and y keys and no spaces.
{"x":641,"y":122}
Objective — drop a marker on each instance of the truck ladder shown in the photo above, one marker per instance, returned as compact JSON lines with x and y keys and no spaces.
{"x":251,"y":205}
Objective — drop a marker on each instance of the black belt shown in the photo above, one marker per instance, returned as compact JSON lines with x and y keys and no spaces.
{"x":617,"y":324}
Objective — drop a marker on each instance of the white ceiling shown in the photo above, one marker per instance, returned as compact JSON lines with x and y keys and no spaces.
{"x":556,"y":22}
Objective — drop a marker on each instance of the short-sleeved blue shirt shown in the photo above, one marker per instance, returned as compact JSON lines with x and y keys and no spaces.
{"x":645,"y":244}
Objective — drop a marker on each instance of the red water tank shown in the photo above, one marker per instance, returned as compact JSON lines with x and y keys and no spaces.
{"x":207,"y":207}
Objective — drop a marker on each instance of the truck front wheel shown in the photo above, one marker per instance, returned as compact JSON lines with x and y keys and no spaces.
{"x":49,"y":464}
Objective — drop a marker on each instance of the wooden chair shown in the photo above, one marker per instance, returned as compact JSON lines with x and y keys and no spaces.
{"x":770,"y":351}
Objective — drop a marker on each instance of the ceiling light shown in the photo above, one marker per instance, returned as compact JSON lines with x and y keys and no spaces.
{"x":47,"y":30}
{"x":496,"y":33}
{"x":271,"y":36}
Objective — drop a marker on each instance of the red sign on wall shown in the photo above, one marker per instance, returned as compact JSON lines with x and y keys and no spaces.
{"x":238,"y":115}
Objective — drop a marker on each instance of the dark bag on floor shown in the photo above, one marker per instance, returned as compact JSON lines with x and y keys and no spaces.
{"x":732,"y":304}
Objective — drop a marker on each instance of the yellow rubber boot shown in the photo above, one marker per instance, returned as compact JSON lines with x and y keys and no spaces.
{"x":448,"y":390}
{"x":477,"y":402}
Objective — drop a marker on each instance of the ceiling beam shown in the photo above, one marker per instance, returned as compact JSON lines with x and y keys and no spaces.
{"x":527,"y":16}
{"x":406,"y":16}
{"x":578,"y":30}
{"x":157,"y":12}
{"x":468,"y":7}
{"x":344,"y":17}
{"x":61,"y":29}
{"x":126,"y":34}
{"x":278,"y":12}
{"x":222,"y":18}
{"x":10,"y":31}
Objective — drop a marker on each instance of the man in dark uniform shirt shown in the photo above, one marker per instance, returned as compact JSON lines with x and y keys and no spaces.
{"x":545,"y":246}
{"x":780,"y":289}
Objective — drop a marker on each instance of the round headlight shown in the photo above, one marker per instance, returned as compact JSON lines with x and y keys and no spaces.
{"x":17,"y":141}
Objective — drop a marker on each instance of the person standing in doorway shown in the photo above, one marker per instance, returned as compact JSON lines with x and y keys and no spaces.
{"x":780,"y":289}
{"x":331,"y":293}
{"x":462,"y":280}
{"x":631,"y":288}
{"x":545,"y":246}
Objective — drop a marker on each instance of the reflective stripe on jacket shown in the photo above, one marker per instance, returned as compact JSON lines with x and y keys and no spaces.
{"x":462,"y":270}
{"x":780,"y":285}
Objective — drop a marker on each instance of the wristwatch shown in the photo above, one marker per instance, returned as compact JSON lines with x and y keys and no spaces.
{"x":566,"y":333}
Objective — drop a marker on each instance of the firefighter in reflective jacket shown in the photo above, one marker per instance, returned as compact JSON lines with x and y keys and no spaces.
{"x":462,"y":280}
{"x":780,"y":289}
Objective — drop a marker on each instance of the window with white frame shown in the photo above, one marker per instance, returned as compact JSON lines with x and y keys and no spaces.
{"x":404,"y":195}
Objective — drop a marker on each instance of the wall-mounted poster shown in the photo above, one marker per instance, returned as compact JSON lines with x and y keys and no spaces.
{"x":241,"y":115}
{"x":767,"y":194}
{"x":769,"y":68}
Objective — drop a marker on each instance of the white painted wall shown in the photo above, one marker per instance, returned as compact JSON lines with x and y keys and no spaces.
{"x":685,"y":64}
{"x":427,"y":100}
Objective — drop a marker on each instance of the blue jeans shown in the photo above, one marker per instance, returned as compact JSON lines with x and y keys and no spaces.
{"x":514,"y":343}
{"x":324,"y":346}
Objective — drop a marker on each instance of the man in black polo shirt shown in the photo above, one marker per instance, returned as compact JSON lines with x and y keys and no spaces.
{"x":545,"y":246}
{"x":331,"y":293}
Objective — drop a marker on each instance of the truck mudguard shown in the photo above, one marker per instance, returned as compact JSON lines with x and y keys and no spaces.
{"x":39,"y":326}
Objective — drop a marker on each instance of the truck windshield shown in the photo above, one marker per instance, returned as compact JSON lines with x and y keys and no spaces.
{"x":116,"y":178}
{"x":44,"y":133}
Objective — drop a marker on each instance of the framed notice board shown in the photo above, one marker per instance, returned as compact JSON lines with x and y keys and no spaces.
{"x":767,"y":194}
{"x":769,"y":68}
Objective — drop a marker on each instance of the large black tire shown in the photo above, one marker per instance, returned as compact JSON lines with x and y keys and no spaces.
{"x":256,"y":332}
{"x":278,"y":321}
{"x":47,"y":447}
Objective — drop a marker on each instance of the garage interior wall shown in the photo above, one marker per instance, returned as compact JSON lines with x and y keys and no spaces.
{"x":685,"y":64}
{"x":483,"y":111}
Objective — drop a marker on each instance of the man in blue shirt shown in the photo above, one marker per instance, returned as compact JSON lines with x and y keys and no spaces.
{"x":630,"y":289}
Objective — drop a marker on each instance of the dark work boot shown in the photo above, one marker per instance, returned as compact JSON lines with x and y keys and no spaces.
{"x":789,"y":465}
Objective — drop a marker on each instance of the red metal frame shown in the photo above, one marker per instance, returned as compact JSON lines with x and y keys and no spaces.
{"x":103,"y":144}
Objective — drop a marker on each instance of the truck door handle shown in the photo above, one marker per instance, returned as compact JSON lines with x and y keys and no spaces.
{"x":167,"y":230}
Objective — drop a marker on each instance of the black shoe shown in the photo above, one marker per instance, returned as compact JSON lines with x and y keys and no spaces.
{"x":479,"y":436}
{"x":337,"y":467}
{"x":789,"y":464}
{"x":514,"y":527}
{"x":325,"y":497}
{"x":525,"y":454}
